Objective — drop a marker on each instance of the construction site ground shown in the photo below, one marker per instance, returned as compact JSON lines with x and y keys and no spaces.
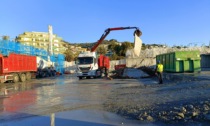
{"x":183,"y":99}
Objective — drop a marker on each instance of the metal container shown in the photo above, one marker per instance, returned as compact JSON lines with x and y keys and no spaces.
{"x":17,"y":63}
{"x":180,"y":61}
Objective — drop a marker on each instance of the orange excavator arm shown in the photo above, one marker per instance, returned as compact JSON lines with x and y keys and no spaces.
{"x":106,"y":32}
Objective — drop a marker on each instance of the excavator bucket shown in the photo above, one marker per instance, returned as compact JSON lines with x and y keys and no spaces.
{"x":137,"y":32}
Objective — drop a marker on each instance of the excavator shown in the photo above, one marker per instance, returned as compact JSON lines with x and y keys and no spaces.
{"x":90,"y":65}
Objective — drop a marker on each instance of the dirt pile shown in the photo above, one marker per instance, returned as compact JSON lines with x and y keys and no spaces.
{"x":127,"y":73}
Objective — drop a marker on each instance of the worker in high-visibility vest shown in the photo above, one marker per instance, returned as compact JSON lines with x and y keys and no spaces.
{"x":159,"y":71}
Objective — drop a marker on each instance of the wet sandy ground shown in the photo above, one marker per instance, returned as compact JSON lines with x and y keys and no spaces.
{"x":70,"y":99}
{"x":79,"y":101}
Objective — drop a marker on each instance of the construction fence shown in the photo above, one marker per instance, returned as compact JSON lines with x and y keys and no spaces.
{"x":7,"y":47}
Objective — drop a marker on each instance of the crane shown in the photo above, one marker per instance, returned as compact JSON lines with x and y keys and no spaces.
{"x":89,"y":65}
{"x":107,"y":31}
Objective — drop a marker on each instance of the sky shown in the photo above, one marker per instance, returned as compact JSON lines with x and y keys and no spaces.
{"x":170,"y":22}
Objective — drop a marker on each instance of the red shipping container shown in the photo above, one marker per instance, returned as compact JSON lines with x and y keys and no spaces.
{"x":17,"y":63}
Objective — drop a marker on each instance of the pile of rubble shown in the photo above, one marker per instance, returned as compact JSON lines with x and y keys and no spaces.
{"x":129,"y":73}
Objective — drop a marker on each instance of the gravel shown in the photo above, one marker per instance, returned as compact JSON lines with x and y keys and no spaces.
{"x":181,"y":101}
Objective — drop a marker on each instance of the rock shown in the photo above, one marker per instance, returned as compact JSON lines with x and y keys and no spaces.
{"x":178,"y":118}
{"x":149,"y":118}
{"x":162,"y":113}
{"x":194,"y":114}
{"x":164,"y":118}
{"x":205,"y":107}
{"x":180,"y":115}
{"x":141,"y":119}
{"x":191,"y":107}
{"x":183,"y":109}
{"x":145,"y":114}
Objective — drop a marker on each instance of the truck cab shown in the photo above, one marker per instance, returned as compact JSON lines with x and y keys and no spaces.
{"x":87,"y":65}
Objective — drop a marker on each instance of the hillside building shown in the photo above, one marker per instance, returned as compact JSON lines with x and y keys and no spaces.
{"x":41,"y":40}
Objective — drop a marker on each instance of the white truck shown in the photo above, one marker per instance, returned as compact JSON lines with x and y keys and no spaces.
{"x":87,"y":65}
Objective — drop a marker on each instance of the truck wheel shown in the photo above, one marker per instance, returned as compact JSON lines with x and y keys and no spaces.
{"x":22,"y":77}
{"x":28,"y":76}
{"x":15,"y":78}
{"x":53,"y":73}
{"x":50,"y":74}
{"x":80,"y":78}
{"x":41,"y":75}
{"x":98,"y":73}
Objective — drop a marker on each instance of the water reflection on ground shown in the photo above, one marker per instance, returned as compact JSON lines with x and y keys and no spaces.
{"x":76,"y":118}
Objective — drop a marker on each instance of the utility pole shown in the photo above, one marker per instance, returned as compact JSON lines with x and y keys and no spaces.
{"x":50,"y":39}
{"x":52,"y":119}
{"x":209,"y":44}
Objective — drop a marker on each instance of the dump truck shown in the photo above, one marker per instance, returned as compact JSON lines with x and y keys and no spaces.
{"x":89,"y":64}
{"x":20,"y":67}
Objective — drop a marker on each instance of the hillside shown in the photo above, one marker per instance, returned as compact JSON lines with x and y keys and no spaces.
{"x":109,"y":42}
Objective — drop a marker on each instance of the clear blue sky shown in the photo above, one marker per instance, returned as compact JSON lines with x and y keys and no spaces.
{"x":171,"y":22}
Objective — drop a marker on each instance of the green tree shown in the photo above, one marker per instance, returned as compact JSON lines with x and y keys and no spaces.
{"x":5,"y":37}
{"x":124,"y":47}
{"x":69,"y":55}
{"x":113,"y":40}
{"x":101,"y":50}
{"x":117,"y":50}
{"x":143,"y":47}
{"x":111,"y":46}
{"x":114,"y":57}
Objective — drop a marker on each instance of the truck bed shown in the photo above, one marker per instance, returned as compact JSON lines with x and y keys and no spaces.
{"x":17,"y":63}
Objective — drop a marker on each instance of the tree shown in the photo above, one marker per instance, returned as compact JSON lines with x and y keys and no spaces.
{"x":5,"y":37}
{"x":101,"y":50}
{"x":117,"y":50}
{"x":112,"y":46}
{"x":69,"y":55}
{"x":124,"y":47}
{"x":113,"y":40}
{"x":114,"y":57}
{"x":143,"y":47}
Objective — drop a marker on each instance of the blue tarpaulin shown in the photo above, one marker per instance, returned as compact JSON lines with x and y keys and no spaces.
{"x":7,"y":47}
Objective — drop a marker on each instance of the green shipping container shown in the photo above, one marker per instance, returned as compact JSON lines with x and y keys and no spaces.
{"x":180,"y":61}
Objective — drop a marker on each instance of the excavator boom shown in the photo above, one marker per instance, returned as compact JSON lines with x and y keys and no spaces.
{"x":106,"y":32}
